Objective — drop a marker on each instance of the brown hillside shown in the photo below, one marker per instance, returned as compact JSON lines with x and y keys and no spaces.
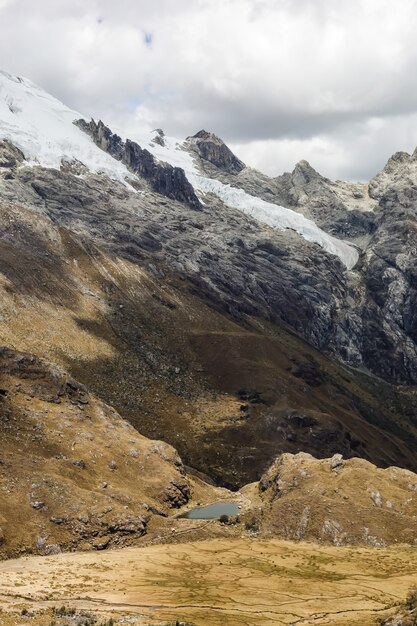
{"x":73,"y":473}
{"x":337,"y":501}
{"x":229,"y":395}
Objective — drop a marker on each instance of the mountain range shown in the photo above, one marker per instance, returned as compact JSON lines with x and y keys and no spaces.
{"x":178,"y":327}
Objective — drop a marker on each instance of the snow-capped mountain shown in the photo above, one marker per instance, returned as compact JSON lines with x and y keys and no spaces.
{"x":43,"y":129}
{"x":332,"y":307}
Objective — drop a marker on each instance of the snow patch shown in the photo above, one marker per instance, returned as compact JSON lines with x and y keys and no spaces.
{"x":175,"y":153}
{"x":42,"y":128}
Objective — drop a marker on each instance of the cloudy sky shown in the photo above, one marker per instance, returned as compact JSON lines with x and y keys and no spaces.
{"x":330,"y":81}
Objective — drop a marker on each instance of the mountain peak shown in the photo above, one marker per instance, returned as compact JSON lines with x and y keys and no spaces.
{"x":304,"y":173}
{"x":304,"y":167}
{"x":204,"y":134}
{"x":43,"y":128}
{"x":213,"y":149}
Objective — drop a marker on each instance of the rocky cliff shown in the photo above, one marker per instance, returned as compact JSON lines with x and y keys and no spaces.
{"x":162,"y":177}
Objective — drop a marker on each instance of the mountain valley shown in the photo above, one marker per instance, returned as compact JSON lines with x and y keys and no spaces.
{"x":180,"y":329}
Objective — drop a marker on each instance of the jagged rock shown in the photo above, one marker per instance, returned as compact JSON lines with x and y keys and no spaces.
{"x":399,"y":171}
{"x":177,"y":493}
{"x":336,"y":462}
{"x":212,"y":149}
{"x":163,"y":178}
{"x":159,"y":137}
{"x":10,"y":156}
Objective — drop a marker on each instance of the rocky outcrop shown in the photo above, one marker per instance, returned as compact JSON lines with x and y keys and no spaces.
{"x":212,"y":149}
{"x":10,"y":158}
{"x":399,"y":172}
{"x":162,"y":177}
{"x":338,"y":501}
{"x":405,"y":614}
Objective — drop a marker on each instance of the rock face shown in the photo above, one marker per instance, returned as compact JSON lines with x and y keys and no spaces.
{"x":324,"y":200}
{"x":338,"y":501}
{"x":10,"y":157}
{"x":384,"y":322}
{"x":212,"y":149}
{"x":375,"y":328}
{"x":400,"y":172}
{"x":344,"y":209}
{"x":163,"y":178}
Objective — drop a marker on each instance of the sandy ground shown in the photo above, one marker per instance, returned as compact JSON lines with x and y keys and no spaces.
{"x":220,"y":582}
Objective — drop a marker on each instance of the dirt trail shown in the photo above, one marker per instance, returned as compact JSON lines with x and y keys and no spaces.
{"x":220,"y":582}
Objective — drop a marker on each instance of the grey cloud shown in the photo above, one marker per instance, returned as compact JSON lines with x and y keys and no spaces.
{"x":273,"y":77}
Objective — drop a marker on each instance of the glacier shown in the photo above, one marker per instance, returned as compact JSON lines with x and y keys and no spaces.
{"x":43,"y":128}
{"x":274,"y":215}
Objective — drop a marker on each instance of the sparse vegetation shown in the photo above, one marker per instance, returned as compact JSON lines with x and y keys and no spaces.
{"x":69,"y":616}
{"x":261,"y":567}
{"x":63,"y":611}
{"x":252,"y":525}
{"x":408,"y":612}
{"x":411,"y":599}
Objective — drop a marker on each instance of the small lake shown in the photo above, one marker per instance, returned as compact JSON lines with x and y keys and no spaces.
{"x":213,"y":511}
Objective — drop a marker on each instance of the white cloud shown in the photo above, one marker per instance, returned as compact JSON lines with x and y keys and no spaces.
{"x":279,"y":79}
{"x":357,"y":151}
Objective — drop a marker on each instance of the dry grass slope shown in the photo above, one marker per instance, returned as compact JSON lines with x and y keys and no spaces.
{"x":238,"y":582}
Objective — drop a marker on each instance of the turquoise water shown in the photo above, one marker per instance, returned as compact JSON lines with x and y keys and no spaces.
{"x":213,"y":511}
